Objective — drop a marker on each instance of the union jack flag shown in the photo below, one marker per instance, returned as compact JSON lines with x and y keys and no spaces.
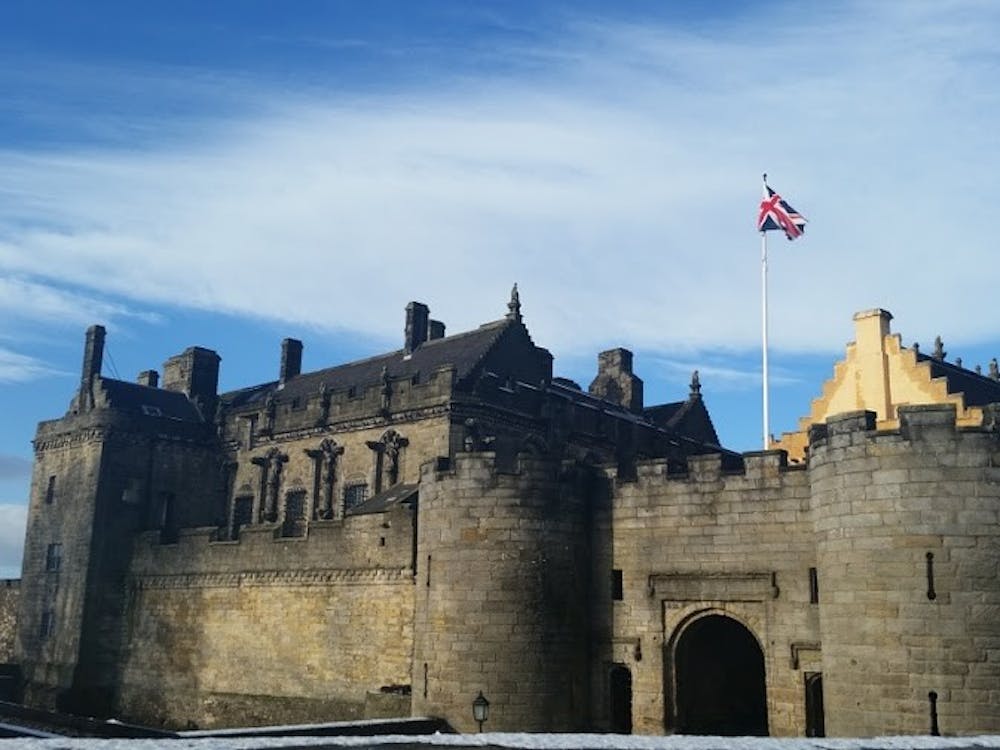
{"x":775,"y":213}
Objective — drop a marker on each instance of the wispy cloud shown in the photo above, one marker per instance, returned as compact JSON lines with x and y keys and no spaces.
{"x":45,"y":302}
{"x":722,"y":377}
{"x":16,"y":368}
{"x":615,"y":178}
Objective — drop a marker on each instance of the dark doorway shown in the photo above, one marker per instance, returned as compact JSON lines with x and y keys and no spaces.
{"x":814,"y":705}
{"x":720,"y":680}
{"x":620,"y":688}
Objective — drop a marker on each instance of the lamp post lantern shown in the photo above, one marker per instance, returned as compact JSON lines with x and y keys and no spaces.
{"x":480,"y":709}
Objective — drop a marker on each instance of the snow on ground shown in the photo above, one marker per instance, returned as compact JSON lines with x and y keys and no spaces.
{"x":521,"y":741}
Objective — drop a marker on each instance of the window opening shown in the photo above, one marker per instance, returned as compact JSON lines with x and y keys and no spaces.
{"x":242,"y":514}
{"x":813,"y":588}
{"x":47,"y":626}
{"x":53,"y":557}
{"x":50,"y":490}
{"x":354,"y":495}
{"x":617,"y":585}
{"x":294,"y":523}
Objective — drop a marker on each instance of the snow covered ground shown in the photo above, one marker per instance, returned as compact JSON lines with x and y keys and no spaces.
{"x":525,"y":741}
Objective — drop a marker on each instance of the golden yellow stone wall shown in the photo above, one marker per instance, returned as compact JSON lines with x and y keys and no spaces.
{"x":877,"y":374}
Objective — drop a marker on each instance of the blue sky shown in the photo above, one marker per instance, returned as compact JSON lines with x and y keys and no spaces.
{"x":227,"y":174}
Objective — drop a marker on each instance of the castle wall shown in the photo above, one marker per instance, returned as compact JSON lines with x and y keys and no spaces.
{"x":61,"y":507}
{"x":268,"y":629}
{"x":10,"y":594}
{"x":99,"y":477}
{"x":501,"y":600}
{"x":708,"y":542}
{"x":908,"y":544}
{"x":357,"y":463}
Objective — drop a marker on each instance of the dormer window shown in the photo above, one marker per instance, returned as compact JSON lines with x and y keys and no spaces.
{"x":151,"y":411}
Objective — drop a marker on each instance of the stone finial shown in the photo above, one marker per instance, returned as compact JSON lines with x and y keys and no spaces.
{"x":514,"y":306}
{"x":994,"y":370}
{"x":916,"y":348}
{"x":958,"y":361}
{"x":939,"y":352}
{"x":695,"y":385}
{"x":979,"y":369}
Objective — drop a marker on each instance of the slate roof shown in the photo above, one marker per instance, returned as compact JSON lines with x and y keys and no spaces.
{"x":383,"y":501}
{"x":463,"y":351}
{"x":155,"y":402}
{"x":978,"y":390}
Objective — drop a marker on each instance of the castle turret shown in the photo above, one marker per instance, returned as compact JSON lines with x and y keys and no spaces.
{"x":501,"y":595}
{"x":908,"y":540}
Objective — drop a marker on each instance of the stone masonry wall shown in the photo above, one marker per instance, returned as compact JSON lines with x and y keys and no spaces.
{"x":268,"y":629}
{"x":501,"y":598}
{"x":10,"y":590}
{"x":736,"y":544}
{"x":69,"y":462}
{"x":908,"y":530}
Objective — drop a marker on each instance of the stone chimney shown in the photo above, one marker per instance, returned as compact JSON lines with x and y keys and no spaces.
{"x":871,"y":331}
{"x":615,"y":381}
{"x":435,"y":330}
{"x":195,"y":373}
{"x":149,"y":378}
{"x":93,"y":359}
{"x":417,"y":317}
{"x":291,"y":359}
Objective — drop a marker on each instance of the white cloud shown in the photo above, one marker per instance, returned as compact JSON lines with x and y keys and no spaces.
{"x":617,"y":182}
{"x":24,"y":298}
{"x":17,"y":368}
{"x":13,"y":518}
{"x":721,"y":377}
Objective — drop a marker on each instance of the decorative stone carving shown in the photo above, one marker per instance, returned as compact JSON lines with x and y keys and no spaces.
{"x":270,"y":466}
{"x":388,"y":450}
{"x":325,"y":472}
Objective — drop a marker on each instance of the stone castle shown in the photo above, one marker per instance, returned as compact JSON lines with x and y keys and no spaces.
{"x":395,"y":536}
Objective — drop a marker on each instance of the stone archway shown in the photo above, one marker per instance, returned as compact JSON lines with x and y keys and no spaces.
{"x":719,"y":671}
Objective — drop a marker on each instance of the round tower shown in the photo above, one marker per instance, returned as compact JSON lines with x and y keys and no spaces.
{"x":501,"y":595}
{"x":908,"y":549}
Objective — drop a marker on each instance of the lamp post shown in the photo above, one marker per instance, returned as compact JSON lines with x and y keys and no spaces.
{"x":480,"y":709}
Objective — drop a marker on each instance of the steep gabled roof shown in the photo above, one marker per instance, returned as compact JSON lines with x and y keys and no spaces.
{"x":689,"y":417}
{"x":463,"y":351}
{"x":151,"y":402}
{"x":978,"y":390}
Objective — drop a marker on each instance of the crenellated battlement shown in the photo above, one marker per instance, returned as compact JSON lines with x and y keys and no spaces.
{"x":918,"y":424}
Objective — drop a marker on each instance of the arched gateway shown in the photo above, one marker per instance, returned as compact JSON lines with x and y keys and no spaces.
{"x":719,"y":679}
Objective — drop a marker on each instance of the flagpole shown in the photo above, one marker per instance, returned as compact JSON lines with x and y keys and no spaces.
{"x":763,"y":312}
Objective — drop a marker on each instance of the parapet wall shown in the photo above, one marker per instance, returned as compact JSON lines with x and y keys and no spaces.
{"x":908,"y":544}
{"x":268,"y":630}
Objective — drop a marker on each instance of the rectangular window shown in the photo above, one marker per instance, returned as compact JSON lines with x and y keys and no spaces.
{"x":50,"y":491}
{"x":242,"y":514}
{"x":169,"y":525}
{"x":617,"y":586}
{"x":53,"y":557}
{"x":47,"y":626}
{"x":813,"y":586}
{"x":295,"y":514}
{"x":354,"y":495}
